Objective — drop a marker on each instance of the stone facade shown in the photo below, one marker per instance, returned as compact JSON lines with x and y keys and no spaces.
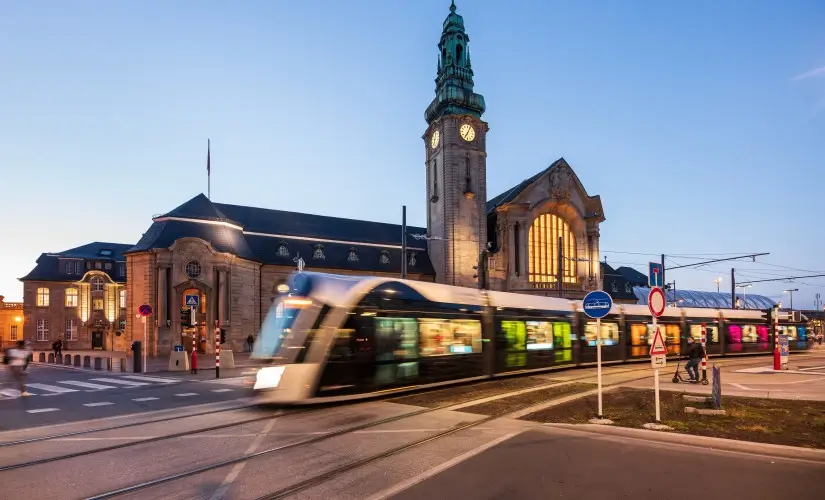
{"x":11,"y":322}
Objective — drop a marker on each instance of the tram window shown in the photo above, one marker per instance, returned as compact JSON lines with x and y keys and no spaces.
{"x":310,"y":335}
{"x":396,"y":338}
{"x":749,"y":333}
{"x":802,"y":333}
{"x":735,"y":334}
{"x":711,"y":332}
{"x":762,"y":333}
{"x":516,"y":334}
{"x":539,"y":335}
{"x":442,"y":336}
{"x":790,"y":331}
{"x":609,"y":333}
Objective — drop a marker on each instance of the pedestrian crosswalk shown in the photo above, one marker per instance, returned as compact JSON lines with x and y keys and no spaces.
{"x":59,"y":387}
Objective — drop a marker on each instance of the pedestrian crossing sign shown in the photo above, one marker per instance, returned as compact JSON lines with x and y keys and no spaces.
{"x":193,"y":300}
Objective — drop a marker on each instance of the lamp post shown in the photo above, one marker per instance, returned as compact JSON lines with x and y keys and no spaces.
{"x":791,"y":291}
{"x":717,"y":281}
{"x":744,"y":295}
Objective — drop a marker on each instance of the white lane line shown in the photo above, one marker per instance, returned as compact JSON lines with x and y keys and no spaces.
{"x":128,"y":383}
{"x":102,"y":403}
{"x":187,"y":394}
{"x":144,"y":399}
{"x":152,"y":379}
{"x":221,"y":390}
{"x":42,"y":410}
{"x":51,"y":388}
{"x":740,"y":386}
{"x":13,"y":393}
{"x":233,"y":474}
{"x":86,"y":385}
{"x":394,"y":490}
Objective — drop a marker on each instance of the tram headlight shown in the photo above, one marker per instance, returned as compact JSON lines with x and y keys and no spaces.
{"x":269,"y":377}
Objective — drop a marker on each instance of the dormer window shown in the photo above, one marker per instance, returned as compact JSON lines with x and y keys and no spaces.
{"x":318,"y":253}
{"x":613,"y":287}
{"x":627,"y":288}
{"x":106,"y":253}
{"x":412,"y":259}
{"x":352,"y":256}
{"x":385,"y":257}
{"x":283,"y":250}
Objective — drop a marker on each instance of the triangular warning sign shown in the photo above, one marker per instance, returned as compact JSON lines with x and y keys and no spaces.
{"x":191,"y":300}
{"x":658,"y":346}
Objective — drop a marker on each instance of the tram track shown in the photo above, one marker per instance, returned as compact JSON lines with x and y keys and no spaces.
{"x":338,"y":471}
{"x":349,"y":430}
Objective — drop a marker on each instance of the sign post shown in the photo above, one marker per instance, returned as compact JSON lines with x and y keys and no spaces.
{"x":145,"y":311}
{"x":705,"y":357}
{"x":597,"y":305}
{"x":217,"y":350}
{"x":658,"y":351}
{"x":192,"y":302}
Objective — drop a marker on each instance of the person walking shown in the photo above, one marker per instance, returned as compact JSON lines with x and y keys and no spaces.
{"x":18,"y":361}
{"x":695,"y":355}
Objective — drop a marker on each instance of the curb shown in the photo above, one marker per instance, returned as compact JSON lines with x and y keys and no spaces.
{"x":705,"y":442}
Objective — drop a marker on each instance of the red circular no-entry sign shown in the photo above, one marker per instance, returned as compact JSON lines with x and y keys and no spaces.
{"x":656,"y":301}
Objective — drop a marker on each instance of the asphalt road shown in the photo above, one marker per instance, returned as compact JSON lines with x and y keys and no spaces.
{"x":550,"y":463}
{"x":60,"y":395}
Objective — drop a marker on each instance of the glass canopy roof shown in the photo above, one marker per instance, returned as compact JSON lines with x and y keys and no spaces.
{"x":690,"y":298}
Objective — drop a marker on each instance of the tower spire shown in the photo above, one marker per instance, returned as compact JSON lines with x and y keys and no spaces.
{"x":452,"y":6}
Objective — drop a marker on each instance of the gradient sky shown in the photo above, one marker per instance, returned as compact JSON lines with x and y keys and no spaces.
{"x":690,"y":119}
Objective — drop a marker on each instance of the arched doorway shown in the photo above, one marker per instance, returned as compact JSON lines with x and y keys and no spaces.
{"x":195,"y":333}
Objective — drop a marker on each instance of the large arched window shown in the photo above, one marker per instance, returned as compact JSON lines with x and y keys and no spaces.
{"x":543,"y":249}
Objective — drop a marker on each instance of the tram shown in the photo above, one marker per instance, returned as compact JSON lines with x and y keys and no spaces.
{"x":338,"y":338}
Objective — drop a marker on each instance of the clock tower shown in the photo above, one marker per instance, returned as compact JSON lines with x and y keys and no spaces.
{"x":456,"y":159}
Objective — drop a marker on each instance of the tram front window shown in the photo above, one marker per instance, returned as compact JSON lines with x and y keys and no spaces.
{"x":277,"y":326}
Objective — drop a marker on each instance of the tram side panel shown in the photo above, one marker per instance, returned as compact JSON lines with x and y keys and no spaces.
{"x":530,"y":340}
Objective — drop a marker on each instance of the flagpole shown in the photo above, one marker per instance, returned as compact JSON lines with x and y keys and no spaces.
{"x":208,"y":170}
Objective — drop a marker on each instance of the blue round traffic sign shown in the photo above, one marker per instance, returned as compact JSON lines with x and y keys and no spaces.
{"x":145,"y":310}
{"x":597,"y":304}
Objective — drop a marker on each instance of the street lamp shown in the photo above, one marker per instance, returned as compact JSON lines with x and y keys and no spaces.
{"x":744,"y":294}
{"x":717,"y":281}
{"x":791,"y":291}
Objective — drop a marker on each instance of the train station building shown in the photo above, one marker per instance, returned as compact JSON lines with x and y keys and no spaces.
{"x":540,"y":236}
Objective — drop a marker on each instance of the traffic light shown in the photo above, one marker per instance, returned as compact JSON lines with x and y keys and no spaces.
{"x":223,"y":336}
{"x":185,"y":316}
{"x":481,"y":271}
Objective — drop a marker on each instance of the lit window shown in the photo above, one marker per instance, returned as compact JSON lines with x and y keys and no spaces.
{"x":122,"y":299}
{"x":42,"y":297}
{"x":353,"y":255}
{"x":13,"y":333}
{"x":97,"y":284}
{"x":97,"y":304}
{"x":319,"y":252}
{"x":42,"y":330}
{"x":71,"y":297}
{"x":543,"y":248}
{"x":193,"y":269}
{"x":71,"y":329}
{"x":385,"y":257}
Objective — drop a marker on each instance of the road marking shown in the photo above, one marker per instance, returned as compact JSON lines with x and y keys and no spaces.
{"x":51,"y":388}
{"x":98,"y":404}
{"x":41,"y":410}
{"x":186,"y":394}
{"x":740,"y":386}
{"x":152,"y":379}
{"x":128,"y":383}
{"x":86,"y":385}
{"x":237,"y":381}
{"x":394,"y":490}
{"x":811,"y":368}
{"x":221,"y":390}
{"x":13,"y":393}
{"x":233,"y":474}
{"x":144,"y":399}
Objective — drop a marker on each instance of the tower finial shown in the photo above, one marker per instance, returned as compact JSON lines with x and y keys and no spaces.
{"x":452,"y":6}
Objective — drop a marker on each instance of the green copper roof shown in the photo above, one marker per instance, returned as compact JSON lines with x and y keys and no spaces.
{"x":454,"y":82}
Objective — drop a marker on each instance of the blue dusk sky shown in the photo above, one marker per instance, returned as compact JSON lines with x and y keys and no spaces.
{"x":701,"y":124}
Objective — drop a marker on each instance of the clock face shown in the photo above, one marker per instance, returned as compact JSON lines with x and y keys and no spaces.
{"x":434,"y":139}
{"x":467,"y":132}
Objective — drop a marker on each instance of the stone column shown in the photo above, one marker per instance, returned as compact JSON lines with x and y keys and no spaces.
{"x":222,"y":296}
{"x":163,"y":297}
